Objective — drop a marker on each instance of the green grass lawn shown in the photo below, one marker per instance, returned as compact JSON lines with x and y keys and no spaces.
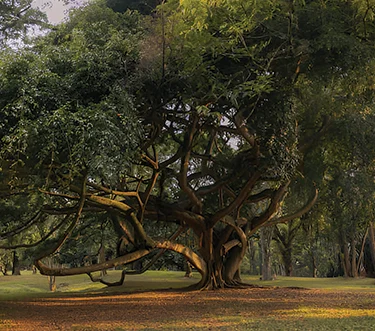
{"x":29,"y":285}
{"x":345,"y":304}
{"x":337,"y":283}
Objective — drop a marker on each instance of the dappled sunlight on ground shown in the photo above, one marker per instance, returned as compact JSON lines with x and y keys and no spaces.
{"x":225,"y":310}
{"x":308,"y":312}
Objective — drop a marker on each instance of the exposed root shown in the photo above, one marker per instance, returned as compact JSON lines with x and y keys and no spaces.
{"x":109,"y":284}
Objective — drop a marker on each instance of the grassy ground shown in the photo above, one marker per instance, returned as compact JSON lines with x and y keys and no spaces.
{"x":80,"y":305}
{"x":32,"y":286}
{"x":338,"y":283}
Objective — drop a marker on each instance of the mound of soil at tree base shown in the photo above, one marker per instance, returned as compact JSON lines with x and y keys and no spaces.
{"x":234,"y":309}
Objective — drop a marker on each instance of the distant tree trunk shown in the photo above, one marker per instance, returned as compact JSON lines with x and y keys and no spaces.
{"x":287,"y":259}
{"x":346,"y":260}
{"x":101,"y":259}
{"x":52,"y":283}
{"x":51,"y":279}
{"x":138,"y":265}
{"x":314,"y":264}
{"x":252,"y":262}
{"x":284,"y":237}
{"x":353,"y":250}
{"x":15,"y":266}
{"x":265,"y":243}
{"x":371,"y":236}
{"x":189,"y":272}
{"x":3,"y":270}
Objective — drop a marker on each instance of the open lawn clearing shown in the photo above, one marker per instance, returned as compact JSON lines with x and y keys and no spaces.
{"x":80,"y":305}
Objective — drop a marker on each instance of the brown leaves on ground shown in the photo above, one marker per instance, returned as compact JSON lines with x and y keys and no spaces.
{"x":225,"y":309}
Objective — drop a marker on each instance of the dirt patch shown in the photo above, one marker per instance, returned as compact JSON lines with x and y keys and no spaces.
{"x":175,"y":310}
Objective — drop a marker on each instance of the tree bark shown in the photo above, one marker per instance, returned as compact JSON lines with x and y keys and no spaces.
{"x":287,"y":260}
{"x":371,"y":236}
{"x":252,"y":262}
{"x":353,"y":250}
{"x":188,"y":270}
{"x":15,"y":266}
{"x":346,"y":260}
{"x":52,"y":283}
{"x":314,"y":265}
{"x":101,"y":259}
{"x":265,"y":242}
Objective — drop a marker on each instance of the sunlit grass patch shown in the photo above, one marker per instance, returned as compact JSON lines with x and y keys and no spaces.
{"x":327,"y":313}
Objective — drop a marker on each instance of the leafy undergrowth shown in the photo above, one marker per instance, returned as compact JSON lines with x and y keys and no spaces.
{"x":80,"y":305}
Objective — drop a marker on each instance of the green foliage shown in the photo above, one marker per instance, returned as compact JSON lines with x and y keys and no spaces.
{"x":181,"y":108}
{"x":66,"y":101}
{"x":16,"y":18}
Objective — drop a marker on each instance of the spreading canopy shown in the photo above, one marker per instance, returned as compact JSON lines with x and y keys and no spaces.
{"x":199,"y":122}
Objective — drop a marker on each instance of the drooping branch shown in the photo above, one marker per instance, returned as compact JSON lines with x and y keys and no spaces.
{"x":265,"y":194}
{"x":187,"y":252}
{"x":56,"y":246}
{"x":298,"y":213}
{"x":273,"y":207}
{"x":174,"y":236}
{"x":109,"y":284}
{"x":172,"y":159}
{"x":41,"y":240}
{"x":22,"y":227}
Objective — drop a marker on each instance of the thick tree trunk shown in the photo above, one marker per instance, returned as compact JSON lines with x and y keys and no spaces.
{"x":213,"y":276}
{"x":15,"y":265}
{"x":232,"y":265}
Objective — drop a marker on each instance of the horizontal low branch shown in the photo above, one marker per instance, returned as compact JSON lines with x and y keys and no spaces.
{"x":122,"y":260}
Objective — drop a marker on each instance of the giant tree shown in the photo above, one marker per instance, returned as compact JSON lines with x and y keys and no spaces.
{"x":224,"y":95}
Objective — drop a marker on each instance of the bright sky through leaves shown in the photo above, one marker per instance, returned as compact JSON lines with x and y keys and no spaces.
{"x":55,"y":9}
